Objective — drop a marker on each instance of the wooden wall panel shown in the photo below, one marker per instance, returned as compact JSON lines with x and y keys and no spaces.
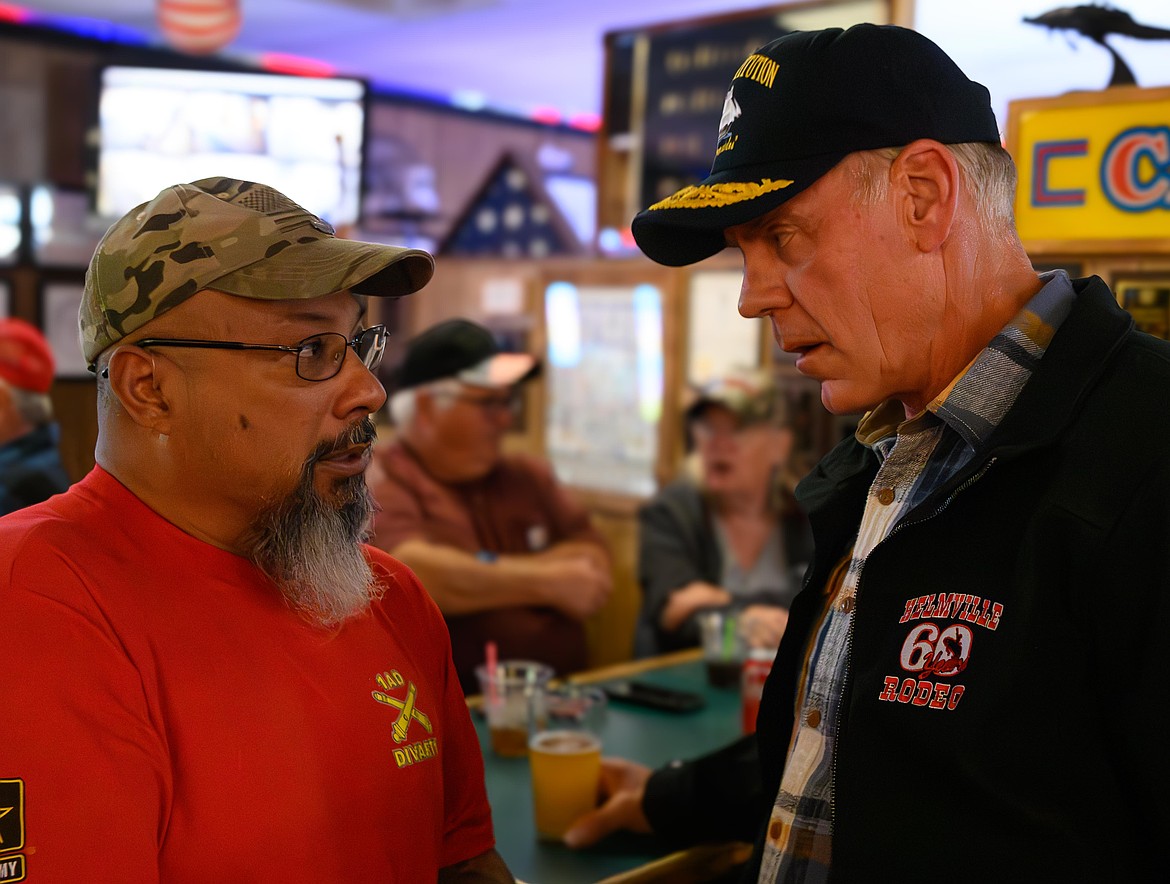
{"x":71,"y":86}
{"x":610,"y":632}
{"x":22,"y":122}
{"x":75,"y":405}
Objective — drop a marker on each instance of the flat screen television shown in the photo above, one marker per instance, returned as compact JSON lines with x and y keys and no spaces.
{"x":161,"y":126}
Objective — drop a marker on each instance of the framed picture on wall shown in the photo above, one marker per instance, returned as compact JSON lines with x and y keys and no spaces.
{"x":604,"y":381}
{"x":719,"y":340}
{"x":59,"y":305}
{"x":1147,"y":298}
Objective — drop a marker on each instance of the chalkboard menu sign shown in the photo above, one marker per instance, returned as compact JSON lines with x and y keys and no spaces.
{"x":687,"y":75}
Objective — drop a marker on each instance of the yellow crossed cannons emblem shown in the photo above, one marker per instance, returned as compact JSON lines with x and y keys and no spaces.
{"x":407,"y":710}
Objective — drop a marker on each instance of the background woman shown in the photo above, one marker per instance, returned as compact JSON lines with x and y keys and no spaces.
{"x":728,"y":532}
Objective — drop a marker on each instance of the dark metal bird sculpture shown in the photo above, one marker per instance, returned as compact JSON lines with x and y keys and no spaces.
{"x":1097,"y":23}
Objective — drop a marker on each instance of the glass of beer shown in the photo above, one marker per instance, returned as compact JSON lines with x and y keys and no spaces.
{"x":513,"y":703}
{"x":565,"y":758}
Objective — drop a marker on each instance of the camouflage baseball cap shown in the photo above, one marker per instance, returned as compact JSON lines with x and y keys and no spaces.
{"x":235,"y":236}
{"x":751,"y":395}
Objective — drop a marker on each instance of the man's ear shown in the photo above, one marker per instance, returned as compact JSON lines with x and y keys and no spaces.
{"x":926,"y":175}
{"x":135,"y":380}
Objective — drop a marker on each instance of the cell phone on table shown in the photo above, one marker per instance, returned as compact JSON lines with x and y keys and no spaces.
{"x":654,"y":696}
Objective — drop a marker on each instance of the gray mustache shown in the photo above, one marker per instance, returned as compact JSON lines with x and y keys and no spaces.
{"x":361,"y":433}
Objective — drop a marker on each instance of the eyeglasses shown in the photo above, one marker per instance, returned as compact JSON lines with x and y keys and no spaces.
{"x":319,"y":357}
{"x":509,"y":402}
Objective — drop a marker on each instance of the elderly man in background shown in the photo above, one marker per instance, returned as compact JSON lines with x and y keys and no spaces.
{"x":30,"y":464}
{"x":206,"y":671}
{"x":506,"y":553}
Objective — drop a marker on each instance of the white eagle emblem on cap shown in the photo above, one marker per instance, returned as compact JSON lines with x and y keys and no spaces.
{"x":731,"y":113}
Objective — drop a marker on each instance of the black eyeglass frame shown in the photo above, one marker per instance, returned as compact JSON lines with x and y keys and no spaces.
{"x":370,"y":361}
{"x":512,"y":403}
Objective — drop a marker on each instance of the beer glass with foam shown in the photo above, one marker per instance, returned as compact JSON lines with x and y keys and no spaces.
{"x":565,"y":758}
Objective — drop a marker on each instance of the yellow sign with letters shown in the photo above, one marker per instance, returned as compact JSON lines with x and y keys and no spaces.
{"x":1094,"y":170}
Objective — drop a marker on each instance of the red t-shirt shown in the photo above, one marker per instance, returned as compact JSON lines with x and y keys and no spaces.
{"x":167,"y":717}
{"x":519,"y":507}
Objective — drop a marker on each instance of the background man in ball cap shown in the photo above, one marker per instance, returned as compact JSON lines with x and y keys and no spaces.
{"x":30,"y":465}
{"x":205,"y":667}
{"x":507,"y":554}
{"x":990,"y":548}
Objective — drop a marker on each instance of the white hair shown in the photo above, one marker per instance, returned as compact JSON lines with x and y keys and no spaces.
{"x":35,"y":409}
{"x":403,"y":403}
{"x":987,"y":172}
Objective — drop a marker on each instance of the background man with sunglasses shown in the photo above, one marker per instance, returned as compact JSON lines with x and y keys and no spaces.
{"x":507,"y":555}
{"x":206,"y":671}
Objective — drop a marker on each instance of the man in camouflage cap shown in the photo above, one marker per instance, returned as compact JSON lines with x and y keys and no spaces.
{"x":239,"y":237}
{"x":199,"y":620}
{"x":750,"y":395}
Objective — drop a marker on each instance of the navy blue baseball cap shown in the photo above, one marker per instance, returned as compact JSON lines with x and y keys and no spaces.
{"x":797,"y":107}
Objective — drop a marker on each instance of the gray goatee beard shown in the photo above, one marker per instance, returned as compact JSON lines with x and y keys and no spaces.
{"x":310,"y":546}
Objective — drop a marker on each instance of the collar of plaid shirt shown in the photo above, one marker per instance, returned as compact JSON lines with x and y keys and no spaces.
{"x":1007,"y":361}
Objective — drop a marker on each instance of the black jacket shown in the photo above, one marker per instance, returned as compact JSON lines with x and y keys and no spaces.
{"x":31,"y":469}
{"x":1051,"y":763}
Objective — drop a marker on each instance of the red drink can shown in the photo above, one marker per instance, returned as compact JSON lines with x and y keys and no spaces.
{"x":755,"y":672}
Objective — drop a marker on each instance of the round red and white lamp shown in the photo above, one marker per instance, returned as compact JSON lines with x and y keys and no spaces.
{"x":199,"y":27}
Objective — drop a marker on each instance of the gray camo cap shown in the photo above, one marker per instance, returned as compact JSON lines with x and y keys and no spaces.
{"x":750,"y":394}
{"x":239,"y":237}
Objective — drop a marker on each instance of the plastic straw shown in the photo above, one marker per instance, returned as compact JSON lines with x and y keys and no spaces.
{"x":493,"y":671}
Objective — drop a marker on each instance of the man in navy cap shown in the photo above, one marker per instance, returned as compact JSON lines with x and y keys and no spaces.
{"x":968,"y":682}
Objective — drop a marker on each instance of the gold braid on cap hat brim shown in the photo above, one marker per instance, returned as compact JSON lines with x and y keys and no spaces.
{"x":707,"y":196}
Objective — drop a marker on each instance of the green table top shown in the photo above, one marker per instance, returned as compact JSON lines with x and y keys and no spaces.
{"x":634,"y":732}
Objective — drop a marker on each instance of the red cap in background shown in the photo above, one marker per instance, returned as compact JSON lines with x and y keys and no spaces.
{"x":26,"y":361}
